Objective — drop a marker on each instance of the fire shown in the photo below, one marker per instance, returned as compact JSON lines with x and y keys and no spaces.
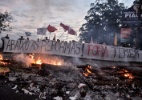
{"x":38,"y":61}
{"x":35,"y":61}
{"x":113,"y":67}
{"x":1,"y":57}
{"x":4,"y":70}
{"x":89,"y":67}
{"x":59,"y":63}
{"x":3,"y":63}
{"x":1,"y":60}
{"x":85,"y":74}
{"x":123,"y":71}
{"x":50,"y":60}
{"x":87,"y":71}
{"x":128,"y":75}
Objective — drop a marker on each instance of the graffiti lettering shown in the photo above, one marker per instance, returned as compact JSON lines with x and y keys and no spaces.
{"x":74,"y":49}
{"x":126,"y":53}
{"x":97,"y":50}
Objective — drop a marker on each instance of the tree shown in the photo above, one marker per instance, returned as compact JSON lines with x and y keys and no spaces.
{"x":102,"y":21}
{"x":5,"y":19}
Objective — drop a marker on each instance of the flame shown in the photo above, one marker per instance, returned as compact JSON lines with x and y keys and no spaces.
{"x":38,"y":61}
{"x":126,"y":74}
{"x":4,"y":70}
{"x":129,"y":75}
{"x":85,"y":74}
{"x":3,"y":63}
{"x":59,"y":64}
{"x":1,"y":60}
{"x":1,"y":57}
{"x":50,"y":60}
{"x":87,"y":71}
{"x":113,"y":67}
{"x":123,"y":71}
{"x":35,"y":61}
{"x":89,"y":67}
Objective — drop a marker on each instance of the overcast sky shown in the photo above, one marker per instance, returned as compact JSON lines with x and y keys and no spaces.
{"x":28,"y":15}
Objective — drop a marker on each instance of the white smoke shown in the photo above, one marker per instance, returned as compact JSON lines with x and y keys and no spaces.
{"x":24,"y":59}
{"x":77,"y":61}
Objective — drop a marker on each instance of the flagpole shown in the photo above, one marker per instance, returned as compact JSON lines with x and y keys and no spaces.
{"x":67,"y":36}
{"x":61,"y":35}
{"x":49,"y":35}
{"x":77,"y":38}
{"x":55,"y":37}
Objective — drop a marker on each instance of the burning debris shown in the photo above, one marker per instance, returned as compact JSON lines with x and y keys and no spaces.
{"x":87,"y":70}
{"x":32,"y":60}
{"x":53,"y":81}
{"x":3,"y":61}
{"x":4,"y":70}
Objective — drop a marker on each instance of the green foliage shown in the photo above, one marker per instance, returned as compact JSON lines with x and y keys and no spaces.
{"x":5,"y":19}
{"x":102,"y":21}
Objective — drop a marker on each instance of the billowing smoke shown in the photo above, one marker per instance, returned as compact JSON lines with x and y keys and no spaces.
{"x":24,"y":59}
{"x":77,"y":61}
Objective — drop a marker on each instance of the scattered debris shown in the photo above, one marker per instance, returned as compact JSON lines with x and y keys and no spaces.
{"x":4,"y":70}
{"x":84,"y":82}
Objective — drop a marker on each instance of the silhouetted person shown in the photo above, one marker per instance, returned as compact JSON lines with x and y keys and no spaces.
{"x":58,"y":40}
{"x":21,"y":38}
{"x":54,"y":39}
{"x":7,"y":37}
{"x":46,"y":38}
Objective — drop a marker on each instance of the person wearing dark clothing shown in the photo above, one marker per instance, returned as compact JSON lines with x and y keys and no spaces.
{"x":21,"y":38}
{"x":6,"y":37}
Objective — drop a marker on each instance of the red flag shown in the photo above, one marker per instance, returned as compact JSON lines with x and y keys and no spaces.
{"x":72,"y":32}
{"x":51,"y":28}
{"x":65,"y":27}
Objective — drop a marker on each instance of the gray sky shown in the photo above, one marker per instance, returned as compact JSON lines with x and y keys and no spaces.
{"x":28,"y":15}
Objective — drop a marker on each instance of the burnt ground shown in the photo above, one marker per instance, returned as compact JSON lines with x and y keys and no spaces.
{"x":6,"y":93}
{"x":71,"y":82}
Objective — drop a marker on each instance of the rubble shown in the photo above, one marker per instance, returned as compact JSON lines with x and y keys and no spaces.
{"x":84,"y":82}
{"x":4,"y":70}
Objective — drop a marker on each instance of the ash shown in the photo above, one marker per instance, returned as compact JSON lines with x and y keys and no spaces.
{"x":52,"y":82}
